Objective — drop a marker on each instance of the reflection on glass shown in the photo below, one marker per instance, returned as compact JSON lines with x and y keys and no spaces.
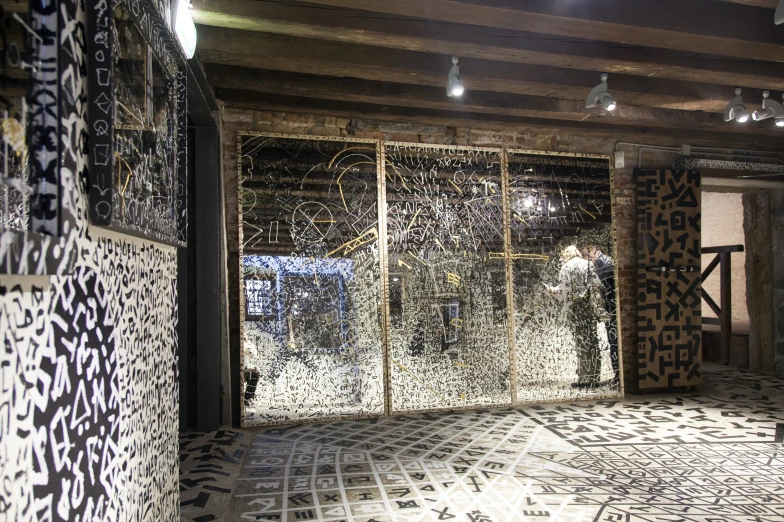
{"x":448,"y":329}
{"x":563,"y":275}
{"x":311,"y":273}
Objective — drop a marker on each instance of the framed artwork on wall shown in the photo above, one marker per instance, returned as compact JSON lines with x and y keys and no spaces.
{"x":138,"y":122}
{"x":35,"y":211}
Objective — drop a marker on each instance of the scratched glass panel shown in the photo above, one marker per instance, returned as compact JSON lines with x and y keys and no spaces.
{"x":311,"y":270}
{"x":145,"y":133}
{"x":448,"y":328}
{"x":563,"y":274}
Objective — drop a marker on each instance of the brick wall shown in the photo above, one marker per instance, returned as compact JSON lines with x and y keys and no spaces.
{"x":234,"y":120}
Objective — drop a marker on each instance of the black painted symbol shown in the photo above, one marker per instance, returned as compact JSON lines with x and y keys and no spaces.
{"x":444,"y":514}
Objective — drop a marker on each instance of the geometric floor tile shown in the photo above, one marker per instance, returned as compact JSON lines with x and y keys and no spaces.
{"x":710,"y":455}
{"x":209,"y":466}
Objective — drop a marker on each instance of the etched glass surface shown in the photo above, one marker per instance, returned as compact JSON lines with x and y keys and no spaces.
{"x":564,"y":305}
{"x":311,"y":336}
{"x":448,"y":331}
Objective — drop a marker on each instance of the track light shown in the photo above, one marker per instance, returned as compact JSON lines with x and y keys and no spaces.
{"x":454,"y":87}
{"x":778,"y":18}
{"x":735,"y":109}
{"x":770,"y":109}
{"x":599,"y":94}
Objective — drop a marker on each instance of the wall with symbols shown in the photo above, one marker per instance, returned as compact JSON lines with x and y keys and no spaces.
{"x":480,"y":307}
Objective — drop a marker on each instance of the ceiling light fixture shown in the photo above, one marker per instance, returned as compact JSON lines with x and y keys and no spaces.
{"x":778,"y":18}
{"x":770,"y":109}
{"x":599,"y":94}
{"x":184,"y":28}
{"x":735,"y":109}
{"x":454,"y":87}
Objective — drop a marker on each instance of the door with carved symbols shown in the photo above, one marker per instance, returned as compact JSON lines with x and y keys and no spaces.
{"x":669,"y":322}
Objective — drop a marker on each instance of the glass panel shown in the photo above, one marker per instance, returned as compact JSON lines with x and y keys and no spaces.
{"x":564,"y":279}
{"x":311,"y":267}
{"x":145,"y":195}
{"x":448,"y":328}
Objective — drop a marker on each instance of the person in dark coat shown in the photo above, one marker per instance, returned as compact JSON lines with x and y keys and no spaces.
{"x":576,"y":280}
{"x":605,"y":269}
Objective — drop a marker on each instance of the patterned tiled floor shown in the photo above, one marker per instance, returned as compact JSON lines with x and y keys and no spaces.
{"x":708,"y":456}
{"x":209,"y":466}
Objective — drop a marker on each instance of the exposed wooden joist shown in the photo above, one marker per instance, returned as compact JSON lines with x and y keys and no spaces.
{"x":354,"y":90}
{"x":524,"y":19}
{"x":262,"y":50}
{"x":273,"y":102}
{"x":767,"y":4}
{"x":506,"y":46}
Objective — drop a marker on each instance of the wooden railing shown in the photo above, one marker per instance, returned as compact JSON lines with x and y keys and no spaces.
{"x":723,"y":312}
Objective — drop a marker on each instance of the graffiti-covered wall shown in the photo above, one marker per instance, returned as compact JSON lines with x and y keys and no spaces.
{"x":88,"y":365}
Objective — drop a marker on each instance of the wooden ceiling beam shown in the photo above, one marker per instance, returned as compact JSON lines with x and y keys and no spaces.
{"x":766,"y":4}
{"x":560,"y":19}
{"x":503,"y":46}
{"x":651,"y":135}
{"x":261,"y":50}
{"x":330,"y":88}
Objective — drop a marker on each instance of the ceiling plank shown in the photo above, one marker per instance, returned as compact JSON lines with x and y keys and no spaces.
{"x":768,"y":4}
{"x":261,"y":49}
{"x":468,"y":41}
{"x":496,"y":122}
{"x":375,"y":92}
{"x":520,"y":19}
{"x":428,"y":78}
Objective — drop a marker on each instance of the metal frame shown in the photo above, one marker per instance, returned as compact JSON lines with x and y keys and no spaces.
{"x":611,"y":167}
{"x":162,"y":45}
{"x":42,"y":249}
{"x":381,"y":151}
{"x":382,"y":260}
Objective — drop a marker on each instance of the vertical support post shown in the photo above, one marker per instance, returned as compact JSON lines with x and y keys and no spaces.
{"x":510,"y":318}
{"x":383,"y":259}
{"x":238,"y":359}
{"x":207,"y":221}
{"x":725,"y":268}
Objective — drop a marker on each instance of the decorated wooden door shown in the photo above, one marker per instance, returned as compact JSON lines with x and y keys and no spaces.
{"x":669,"y":322}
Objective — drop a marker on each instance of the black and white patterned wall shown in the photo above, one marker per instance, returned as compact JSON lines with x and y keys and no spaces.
{"x":88,"y":365}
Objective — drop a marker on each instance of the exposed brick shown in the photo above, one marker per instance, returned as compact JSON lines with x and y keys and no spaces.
{"x":237,"y":116}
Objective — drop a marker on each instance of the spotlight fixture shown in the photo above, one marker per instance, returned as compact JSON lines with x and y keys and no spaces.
{"x":770,"y":109}
{"x":778,"y":18}
{"x":454,"y":87}
{"x":735,"y":109}
{"x":599,"y":94}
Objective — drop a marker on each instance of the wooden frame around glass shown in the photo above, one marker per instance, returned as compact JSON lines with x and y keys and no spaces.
{"x":384,"y":269}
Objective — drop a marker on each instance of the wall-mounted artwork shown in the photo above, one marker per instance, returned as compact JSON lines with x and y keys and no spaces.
{"x":563,"y":273}
{"x":138,"y":130}
{"x":448,"y":338}
{"x":34,"y":210}
{"x":312,"y":315}
{"x":489,"y":279}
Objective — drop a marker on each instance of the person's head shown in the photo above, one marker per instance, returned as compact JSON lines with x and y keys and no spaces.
{"x":570,"y":252}
{"x":592,"y":251}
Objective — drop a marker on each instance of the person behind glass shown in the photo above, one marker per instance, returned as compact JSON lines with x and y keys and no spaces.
{"x":576,"y":279}
{"x":605,"y":269}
